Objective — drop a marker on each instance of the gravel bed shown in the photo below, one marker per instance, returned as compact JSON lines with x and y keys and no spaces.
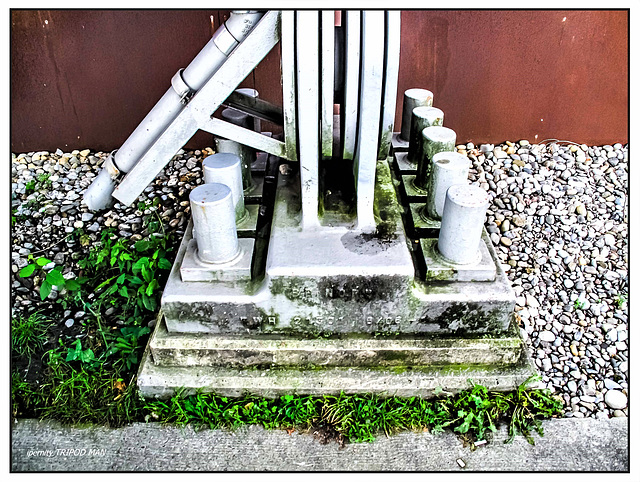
{"x":558,"y":220}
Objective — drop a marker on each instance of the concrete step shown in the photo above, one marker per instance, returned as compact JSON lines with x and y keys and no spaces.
{"x":204,"y":349}
{"x":163,"y":381}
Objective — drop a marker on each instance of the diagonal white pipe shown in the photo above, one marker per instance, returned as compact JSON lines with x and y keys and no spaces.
{"x":192,"y":78}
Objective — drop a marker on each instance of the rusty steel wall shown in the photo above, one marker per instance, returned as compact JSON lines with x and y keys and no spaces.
{"x":86,"y":78}
{"x":508,"y":75}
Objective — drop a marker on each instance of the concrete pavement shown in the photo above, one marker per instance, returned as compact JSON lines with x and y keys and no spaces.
{"x":568,"y":445}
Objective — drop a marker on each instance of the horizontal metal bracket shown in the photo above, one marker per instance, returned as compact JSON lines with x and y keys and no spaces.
{"x":244,"y":136}
{"x":255,"y":107}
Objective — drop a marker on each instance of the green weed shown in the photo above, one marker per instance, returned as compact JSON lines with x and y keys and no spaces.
{"x":52,"y":278}
{"x":126,"y":274}
{"x":28,"y":333}
{"x":77,"y":395}
{"x":361,"y":418}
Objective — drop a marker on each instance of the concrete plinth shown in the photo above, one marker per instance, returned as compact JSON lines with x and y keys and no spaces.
{"x":163,"y":381}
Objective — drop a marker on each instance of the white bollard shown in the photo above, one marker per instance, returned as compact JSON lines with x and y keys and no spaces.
{"x":246,"y":154}
{"x":434,"y":139}
{"x":447,"y":169}
{"x":421,"y":118}
{"x":413,"y":98}
{"x":464,"y":213}
{"x":214,"y":223}
{"x":225,"y":168}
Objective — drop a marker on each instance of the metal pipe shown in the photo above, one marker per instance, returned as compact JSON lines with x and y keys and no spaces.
{"x":183,"y":85}
{"x":434,"y":139}
{"x":462,"y":221}
{"x":447,"y":169}
{"x":214,"y":223}
{"x":225,"y":168}
{"x":421,"y":118}
{"x":413,"y":98}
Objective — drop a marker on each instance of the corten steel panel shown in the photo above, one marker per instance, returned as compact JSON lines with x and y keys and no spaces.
{"x":85,"y":78}
{"x":501,"y":75}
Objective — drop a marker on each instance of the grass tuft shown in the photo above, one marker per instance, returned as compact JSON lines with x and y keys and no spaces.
{"x":28,"y":333}
{"x":361,"y":418}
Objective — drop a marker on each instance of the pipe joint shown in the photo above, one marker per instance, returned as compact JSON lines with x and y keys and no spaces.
{"x":110,"y":165}
{"x":224,"y":40}
{"x":182,"y":89}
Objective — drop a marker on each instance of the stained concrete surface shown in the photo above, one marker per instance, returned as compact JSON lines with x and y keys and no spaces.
{"x":568,"y":445}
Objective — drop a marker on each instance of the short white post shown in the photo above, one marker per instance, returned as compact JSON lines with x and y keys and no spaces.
{"x":434,"y":139}
{"x":413,"y":98}
{"x":421,"y":118}
{"x":448,"y":168}
{"x":214,"y":223}
{"x":225,"y":168}
{"x":246,"y":154}
{"x":464,"y":213}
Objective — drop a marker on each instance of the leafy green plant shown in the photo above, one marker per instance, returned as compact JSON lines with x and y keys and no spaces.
{"x":126,"y":274}
{"x":44,"y":181}
{"x":620,"y":300}
{"x":85,"y":356}
{"x":126,"y":345}
{"x":53,"y":277}
{"x":579,"y":304}
{"x":28,"y":334}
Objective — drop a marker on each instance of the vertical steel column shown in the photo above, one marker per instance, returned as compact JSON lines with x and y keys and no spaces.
{"x":371,"y":73}
{"x":327,"y":59}
{"x":288,"y":67}
{"x":307,"y":64}
{"x":391,"y":69}
{"x":349,"y":107}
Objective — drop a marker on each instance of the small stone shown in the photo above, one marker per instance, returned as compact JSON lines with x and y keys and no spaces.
{"x":69,"y":323}
{"x":547,"y":336}
{"x":581,"y":210}
{"x":615,"y":399}
{"x":85,"y":152}
{"x":519,"y":221}
{"x":611,"y":385}
{"x":609,"y":239}
{"x":87,"y":217}
{"x":505,"y":241}
{"x":78,"y":224}
{"x":531,"y":301}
